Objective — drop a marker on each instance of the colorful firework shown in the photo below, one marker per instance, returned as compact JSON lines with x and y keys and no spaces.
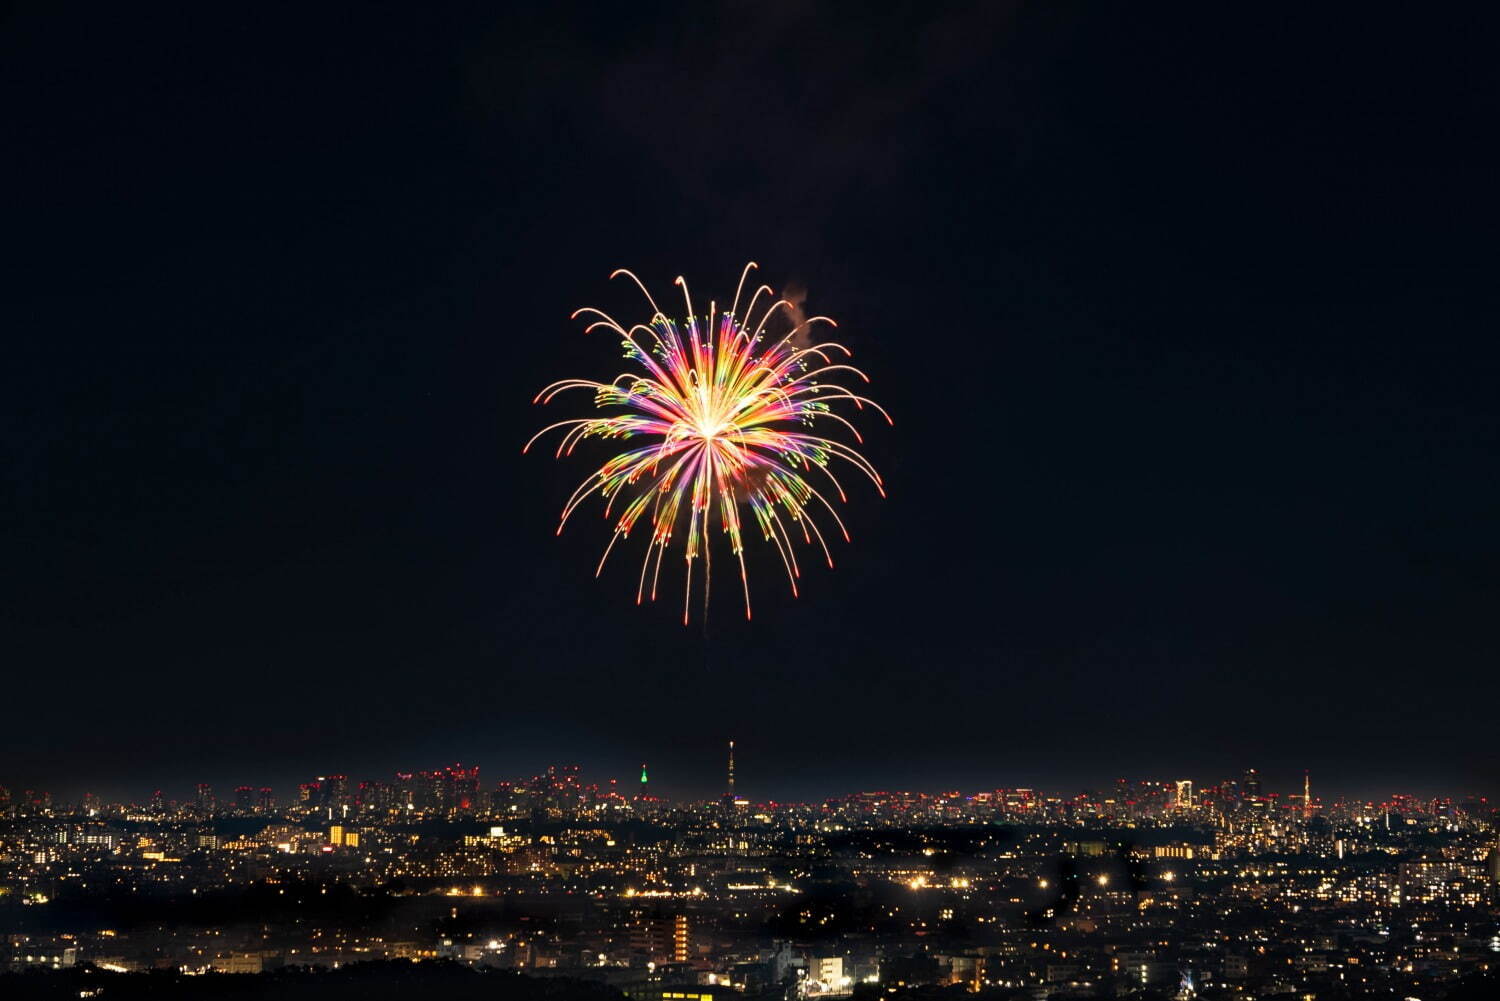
{"x":728,"y":413}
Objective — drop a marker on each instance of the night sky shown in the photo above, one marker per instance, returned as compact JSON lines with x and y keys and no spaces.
{"x":1187,"y":317}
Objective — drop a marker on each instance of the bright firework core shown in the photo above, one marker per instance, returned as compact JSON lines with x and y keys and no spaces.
{"x":726,"y":414}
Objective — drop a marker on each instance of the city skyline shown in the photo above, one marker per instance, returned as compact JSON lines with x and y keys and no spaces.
{"x":664,"y":785}
{"x":1167,"y":890}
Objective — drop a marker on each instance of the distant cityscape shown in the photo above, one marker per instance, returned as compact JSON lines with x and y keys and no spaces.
{"x":1159,"y":887}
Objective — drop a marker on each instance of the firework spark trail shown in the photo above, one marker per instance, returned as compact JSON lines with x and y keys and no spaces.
{"x":719,"y":407}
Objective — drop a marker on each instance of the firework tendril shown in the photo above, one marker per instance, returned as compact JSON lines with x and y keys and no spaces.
{"x":725,"y":416}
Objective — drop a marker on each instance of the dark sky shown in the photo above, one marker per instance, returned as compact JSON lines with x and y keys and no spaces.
{"x":1187,"y":315}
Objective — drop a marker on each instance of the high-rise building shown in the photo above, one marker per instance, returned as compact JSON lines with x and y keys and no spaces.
{"x":663,"y":938}
{"x":407,"y":793}
{"x":265,"y":800}
{"x":828,"y":973}
{"x":560,"y":791}
{"x":371,"y":795}
{"x":443,"y":790}
{"x":1252,"y":784}
{"x":1184,"y":794}
{"x":335,"y":790}
{"x":729,"y":785}
{"x":1494,"y":870}
{"x":462,"y":792}
{"x":509,"y":798}
{"x":205,"y":801}
{"x":643,"y":780}
{"x":244,"y":798}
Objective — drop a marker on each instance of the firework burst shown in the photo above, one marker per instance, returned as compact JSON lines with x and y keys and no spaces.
{"x":727,"y":417}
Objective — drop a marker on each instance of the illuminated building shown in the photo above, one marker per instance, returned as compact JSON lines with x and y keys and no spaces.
{"x":825,"y":975}
{"x":406,"y":792}
{"x":663,"y":938}
{"x":335,"y":790}
{"x":1182,"y":850}
{"x":560,"y":791}
{"x":1494,"y":872}
{"x":461,"y":792}
{"x":680,"y":992}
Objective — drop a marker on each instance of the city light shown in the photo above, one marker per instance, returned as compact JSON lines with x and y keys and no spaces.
{"x":644,"y":881}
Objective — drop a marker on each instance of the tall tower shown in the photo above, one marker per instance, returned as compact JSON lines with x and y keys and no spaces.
{"x":729,"y":793}
{"x":1306,"y":794}
{"x":643,"y":780}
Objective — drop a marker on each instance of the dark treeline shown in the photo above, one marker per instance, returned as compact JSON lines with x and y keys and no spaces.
{"x":399,"y":980}
{"x":392,"y":980}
